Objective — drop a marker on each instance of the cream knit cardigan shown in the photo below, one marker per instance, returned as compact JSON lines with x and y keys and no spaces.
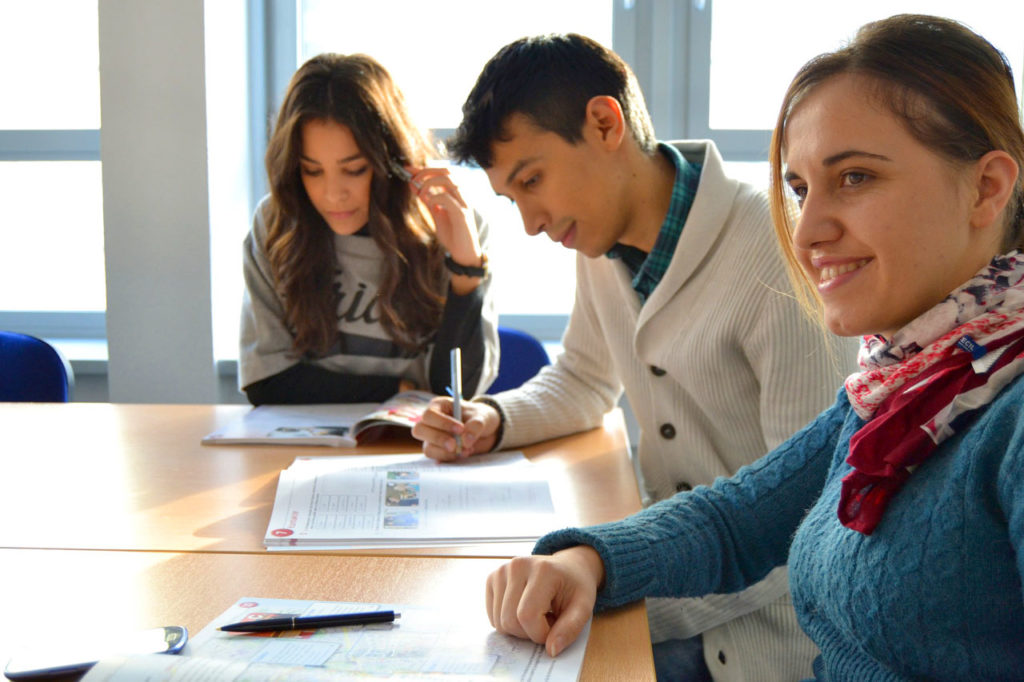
{"x":719,"y":367}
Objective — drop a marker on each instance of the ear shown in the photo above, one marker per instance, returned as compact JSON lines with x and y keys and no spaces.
{"x":995,"y":177}
{"x":605,"y":121}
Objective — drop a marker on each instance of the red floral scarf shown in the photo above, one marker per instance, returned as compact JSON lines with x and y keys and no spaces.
{"x":929,"y":382}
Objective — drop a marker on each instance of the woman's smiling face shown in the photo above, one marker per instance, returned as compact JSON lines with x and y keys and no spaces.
{"x":884,"y":228}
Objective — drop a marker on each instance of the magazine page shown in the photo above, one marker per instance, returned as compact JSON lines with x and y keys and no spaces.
{"x":294,"y":425}
{"x":409,"y":500}
{"x":423,"y":644}
{"x":402,"y":410}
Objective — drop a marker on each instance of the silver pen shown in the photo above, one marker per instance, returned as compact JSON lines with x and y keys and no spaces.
{"x":456,"y":391}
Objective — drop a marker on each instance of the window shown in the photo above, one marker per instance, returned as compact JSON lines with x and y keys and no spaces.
{"x":51,"y":264}
{"x":435,"y":54}
{"x":708,"y":68}
{"x":748,"y":53}
{"x":692,"y":59}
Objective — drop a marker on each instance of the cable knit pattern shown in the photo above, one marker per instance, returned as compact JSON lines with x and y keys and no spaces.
{"x":935,"y":592}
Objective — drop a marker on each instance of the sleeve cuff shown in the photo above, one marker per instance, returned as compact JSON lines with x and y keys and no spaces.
{"x":500,"y":435}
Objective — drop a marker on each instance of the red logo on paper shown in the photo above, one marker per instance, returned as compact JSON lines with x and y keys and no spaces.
{"x":281,"y":532}
{"x":248,"y":604}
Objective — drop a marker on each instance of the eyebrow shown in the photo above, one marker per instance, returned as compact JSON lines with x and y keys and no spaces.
{"x":357,"y":155}
{"x":840,"y":157}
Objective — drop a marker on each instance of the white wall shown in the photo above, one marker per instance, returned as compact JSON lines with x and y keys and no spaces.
{"x":155,"y":201}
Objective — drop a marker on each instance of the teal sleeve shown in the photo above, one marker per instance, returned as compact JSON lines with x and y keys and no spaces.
{"x":719,"y":538}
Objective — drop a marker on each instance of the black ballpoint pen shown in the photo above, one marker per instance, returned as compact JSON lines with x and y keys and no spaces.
{"x":301,"y":622}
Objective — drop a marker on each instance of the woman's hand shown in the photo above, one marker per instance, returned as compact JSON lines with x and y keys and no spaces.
{"x":547,"y":599}
{"x":456,"y":227}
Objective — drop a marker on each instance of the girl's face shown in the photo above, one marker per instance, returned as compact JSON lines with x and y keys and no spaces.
{"x":336,"y":175}
{"x":884,"y":227}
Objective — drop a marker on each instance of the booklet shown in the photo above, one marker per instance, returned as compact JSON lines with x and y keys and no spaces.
{"x":423,"y":644}
{"x":338,"y":425}
{"x":409,"y":500}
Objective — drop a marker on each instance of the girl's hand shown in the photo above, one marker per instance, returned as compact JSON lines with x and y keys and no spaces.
{"x":547,"y":599}
{"x":456,"y":227}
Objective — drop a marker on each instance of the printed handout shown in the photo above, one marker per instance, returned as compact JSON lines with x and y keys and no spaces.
{"x":424,"y":644}
{"x":408,"y":500}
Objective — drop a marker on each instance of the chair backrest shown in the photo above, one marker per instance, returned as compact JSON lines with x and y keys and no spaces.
{"x":522,"y":356}
{"x":31,"y":370}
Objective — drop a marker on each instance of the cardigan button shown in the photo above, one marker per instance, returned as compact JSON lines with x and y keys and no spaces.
{"x":658,"y":371}
{"x":668,"y":432}
{"x":683,"y":487}
{"x":721,"y":657}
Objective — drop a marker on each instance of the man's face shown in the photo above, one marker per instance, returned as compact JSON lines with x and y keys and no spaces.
{"x":568,"y":191}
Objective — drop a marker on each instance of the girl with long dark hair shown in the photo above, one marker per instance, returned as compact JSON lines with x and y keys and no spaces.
{"x":364,"y":266}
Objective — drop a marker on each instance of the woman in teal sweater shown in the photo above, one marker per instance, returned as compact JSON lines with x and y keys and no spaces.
{"x":900,"y":510}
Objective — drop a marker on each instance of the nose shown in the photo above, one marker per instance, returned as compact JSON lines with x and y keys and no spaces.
{"x":816,"y":222}
{"x":337,"y":188}
{"x":534,"y":220}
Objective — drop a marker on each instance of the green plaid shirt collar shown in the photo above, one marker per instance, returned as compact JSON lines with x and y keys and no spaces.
{"x":647,"y":269}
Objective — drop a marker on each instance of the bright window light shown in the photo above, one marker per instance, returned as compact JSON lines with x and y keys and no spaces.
{"x":50,"y":53}
{"x":52,"y":232}
{"x":757,"y":47}
{"x":435,"y":54}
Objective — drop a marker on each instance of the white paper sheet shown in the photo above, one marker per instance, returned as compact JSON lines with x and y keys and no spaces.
{"x":403,"y":500}
{"x":424,"y":644}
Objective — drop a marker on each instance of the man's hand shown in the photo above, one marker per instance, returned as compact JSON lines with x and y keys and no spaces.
{"x":438,"y":428}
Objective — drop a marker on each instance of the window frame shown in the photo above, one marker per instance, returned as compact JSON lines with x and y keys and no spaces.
{"x":646,"y":33}
{"x":53,"y":145}
{"x":274,"y":53}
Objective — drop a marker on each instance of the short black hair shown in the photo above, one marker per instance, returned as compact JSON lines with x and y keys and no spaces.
{"x":550,"y":79}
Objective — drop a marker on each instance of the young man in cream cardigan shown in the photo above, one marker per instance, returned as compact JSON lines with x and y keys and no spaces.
{"x":680,"y":300}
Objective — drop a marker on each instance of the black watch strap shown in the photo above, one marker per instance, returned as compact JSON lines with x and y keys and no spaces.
{"x":466,"y":270}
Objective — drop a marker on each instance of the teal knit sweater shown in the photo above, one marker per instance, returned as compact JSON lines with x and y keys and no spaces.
{"x":935,"y":592}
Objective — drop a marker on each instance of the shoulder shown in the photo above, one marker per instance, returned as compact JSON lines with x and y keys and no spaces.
{"x":997,"y":446}
{"x":823,"y":432}
{"x":483,"y":228}
{"x":1005,"y":417}
{"x":260,"y":220}
{"x":724,"y":201}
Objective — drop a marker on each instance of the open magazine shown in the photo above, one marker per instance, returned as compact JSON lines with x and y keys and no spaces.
{"x":338,"y":425}
{"x":374,"y":501}
{"x":423,"y":644}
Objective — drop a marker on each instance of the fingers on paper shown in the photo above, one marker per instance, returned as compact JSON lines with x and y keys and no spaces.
{"x":569,"y":624}
{"x":508,"y":612}
{"x":535,"y":598}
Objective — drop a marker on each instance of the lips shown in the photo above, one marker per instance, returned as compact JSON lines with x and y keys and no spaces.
{"x":568,"y":238}
{"x":830,"y":272}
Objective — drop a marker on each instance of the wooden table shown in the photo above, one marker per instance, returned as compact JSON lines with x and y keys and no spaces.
{"x":117,"y":514}
{"x":135,"y":477}
{"x":138,"y":590}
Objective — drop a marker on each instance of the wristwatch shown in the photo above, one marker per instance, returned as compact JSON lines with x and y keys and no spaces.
{"x":466,"y":270}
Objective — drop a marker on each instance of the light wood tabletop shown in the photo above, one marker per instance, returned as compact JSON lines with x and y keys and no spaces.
{"x":135,"y":477}
{"x":118,"y":590}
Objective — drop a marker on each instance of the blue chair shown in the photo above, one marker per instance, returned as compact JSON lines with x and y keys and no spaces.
{"x":31,"y":370}
{"x":522,"y":356}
